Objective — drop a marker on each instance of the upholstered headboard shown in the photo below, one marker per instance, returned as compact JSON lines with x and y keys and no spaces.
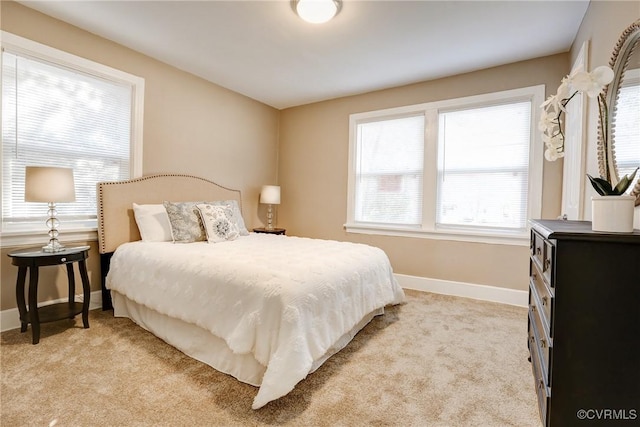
{"x":116,"y":223}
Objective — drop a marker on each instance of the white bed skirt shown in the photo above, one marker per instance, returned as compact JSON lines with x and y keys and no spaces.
{"x":201,"y":345}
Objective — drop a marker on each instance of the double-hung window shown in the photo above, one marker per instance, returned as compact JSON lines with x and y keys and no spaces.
{"x":62,"y":110}
{"x":389,"y":171}
{"x":464,"y":169}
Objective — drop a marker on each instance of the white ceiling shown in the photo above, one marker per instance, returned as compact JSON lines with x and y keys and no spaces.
{"x":263,"y":50}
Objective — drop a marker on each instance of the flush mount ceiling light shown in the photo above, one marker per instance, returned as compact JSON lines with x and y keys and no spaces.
{"x":316,"y":11}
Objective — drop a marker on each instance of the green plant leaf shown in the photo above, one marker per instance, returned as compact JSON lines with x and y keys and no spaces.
{"x":625,"y":182}
{"x":622,"y":185}
{"x":601,"y":186}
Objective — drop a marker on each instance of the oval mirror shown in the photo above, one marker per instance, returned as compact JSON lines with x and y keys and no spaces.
{"x":622,"y":156}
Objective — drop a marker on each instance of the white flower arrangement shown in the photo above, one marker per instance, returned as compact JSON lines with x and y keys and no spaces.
{"x":553,"y":109}
{"x":552,"y":121}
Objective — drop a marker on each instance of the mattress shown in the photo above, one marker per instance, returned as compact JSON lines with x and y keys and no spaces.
{"x":280,"y":304}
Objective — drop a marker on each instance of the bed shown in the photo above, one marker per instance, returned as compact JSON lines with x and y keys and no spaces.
{"x":266,"y":309}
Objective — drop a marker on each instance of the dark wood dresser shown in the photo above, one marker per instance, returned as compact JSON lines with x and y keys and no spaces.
{"x":584,"y":324}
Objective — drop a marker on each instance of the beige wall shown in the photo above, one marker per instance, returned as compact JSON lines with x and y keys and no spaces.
{"x":190,"y":126}
{"x":314,"y":152}
{"x":314,"y":144}
{"x":601,"y":28}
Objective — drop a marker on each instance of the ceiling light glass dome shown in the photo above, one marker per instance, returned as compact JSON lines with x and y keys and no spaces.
{"x":317,"y":11}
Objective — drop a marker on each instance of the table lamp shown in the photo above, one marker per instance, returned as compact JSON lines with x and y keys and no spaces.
{"x":270,"y":195}
{"x":50,"y":185}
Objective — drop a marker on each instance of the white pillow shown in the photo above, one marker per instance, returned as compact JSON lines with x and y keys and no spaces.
{"x":236,"y":215}
{"x":218,"y":222}
{"x":153,"y":223}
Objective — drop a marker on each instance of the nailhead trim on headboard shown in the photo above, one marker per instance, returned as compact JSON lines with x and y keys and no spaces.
{"x":101,"y":185}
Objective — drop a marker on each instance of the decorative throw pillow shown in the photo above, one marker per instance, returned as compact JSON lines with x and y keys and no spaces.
{"x":153,"y":222}
{"x":186,"y":224}
{"x":236,"y":216}
{"x":218,"y":221}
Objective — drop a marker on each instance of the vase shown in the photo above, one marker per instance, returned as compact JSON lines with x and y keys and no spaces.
{"x":612,"y":214}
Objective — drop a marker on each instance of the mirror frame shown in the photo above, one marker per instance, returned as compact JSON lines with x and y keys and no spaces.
{"x":628,"y":41}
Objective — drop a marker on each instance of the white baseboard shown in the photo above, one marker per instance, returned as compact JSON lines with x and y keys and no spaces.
{"x":467,"y":290}
{"x":10,"y":319}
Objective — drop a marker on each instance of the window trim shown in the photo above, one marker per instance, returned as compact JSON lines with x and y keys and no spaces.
{"x":428,"y":228}
{"x":32,"y":233}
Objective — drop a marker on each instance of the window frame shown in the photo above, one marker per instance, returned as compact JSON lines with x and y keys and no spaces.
{"x":428,"y":228}
{"x":86,"y":230}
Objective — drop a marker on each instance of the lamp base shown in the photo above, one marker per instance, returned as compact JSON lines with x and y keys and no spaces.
{"x":270,"y":226}
{"x":53,"y":246}
{"x":52,"y":222}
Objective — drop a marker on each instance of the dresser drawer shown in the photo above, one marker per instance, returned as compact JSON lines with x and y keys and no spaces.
{"x":538,"y":341}
{"x":543,"y":298}
{"x":548,"y":264}
{"x":537,"y":247}
{"x":543,"y":253}
{"x":542,"y":391}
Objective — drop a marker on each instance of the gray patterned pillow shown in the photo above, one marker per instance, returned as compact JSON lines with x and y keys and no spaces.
{"x":236,"y":216}
{"x":218,"y":222}
{"x":186,"y":224}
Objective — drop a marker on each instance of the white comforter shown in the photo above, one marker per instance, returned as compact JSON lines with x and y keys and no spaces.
{"x":285,"y":300}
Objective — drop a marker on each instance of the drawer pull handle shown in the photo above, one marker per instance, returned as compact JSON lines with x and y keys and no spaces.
{"x":543,"y":343}
{"x":63,"y":259}
{"x":538,"y":251}
{"x":533,"y":308}
{"x":544,"y":300}
{"x":535,"y":276}
{"x":540,"y":384}
{"x":547,"y":263}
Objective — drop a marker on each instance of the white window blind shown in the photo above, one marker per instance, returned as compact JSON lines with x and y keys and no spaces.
{"x":467,"y":169}
{"x":389,"y":171}
{"x":483,"y":166}
{"x":627,"y":131}
{"x":56,"y":116}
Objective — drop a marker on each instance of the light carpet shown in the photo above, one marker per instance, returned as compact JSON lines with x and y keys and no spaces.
{"x":434,"y":361}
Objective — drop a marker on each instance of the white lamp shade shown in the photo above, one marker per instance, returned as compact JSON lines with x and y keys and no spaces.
{"x":49,"y":184}
{"x":270,"y":194}
{"x":316,"y":11}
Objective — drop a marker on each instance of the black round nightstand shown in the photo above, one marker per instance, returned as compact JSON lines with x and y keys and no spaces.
{"x":34,"y":258}
{"x":274,"y":231}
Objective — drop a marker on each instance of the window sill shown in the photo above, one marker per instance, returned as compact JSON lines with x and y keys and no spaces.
{"x":515,"y":239}
{"x":14,"y":238}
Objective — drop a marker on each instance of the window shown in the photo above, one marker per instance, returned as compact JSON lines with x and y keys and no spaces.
{"x":627,"y":131}
{"x":389,"y":171}
{"x":483,"y":167}
{"x":467,"y":169}
{"x":61,"y":110}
